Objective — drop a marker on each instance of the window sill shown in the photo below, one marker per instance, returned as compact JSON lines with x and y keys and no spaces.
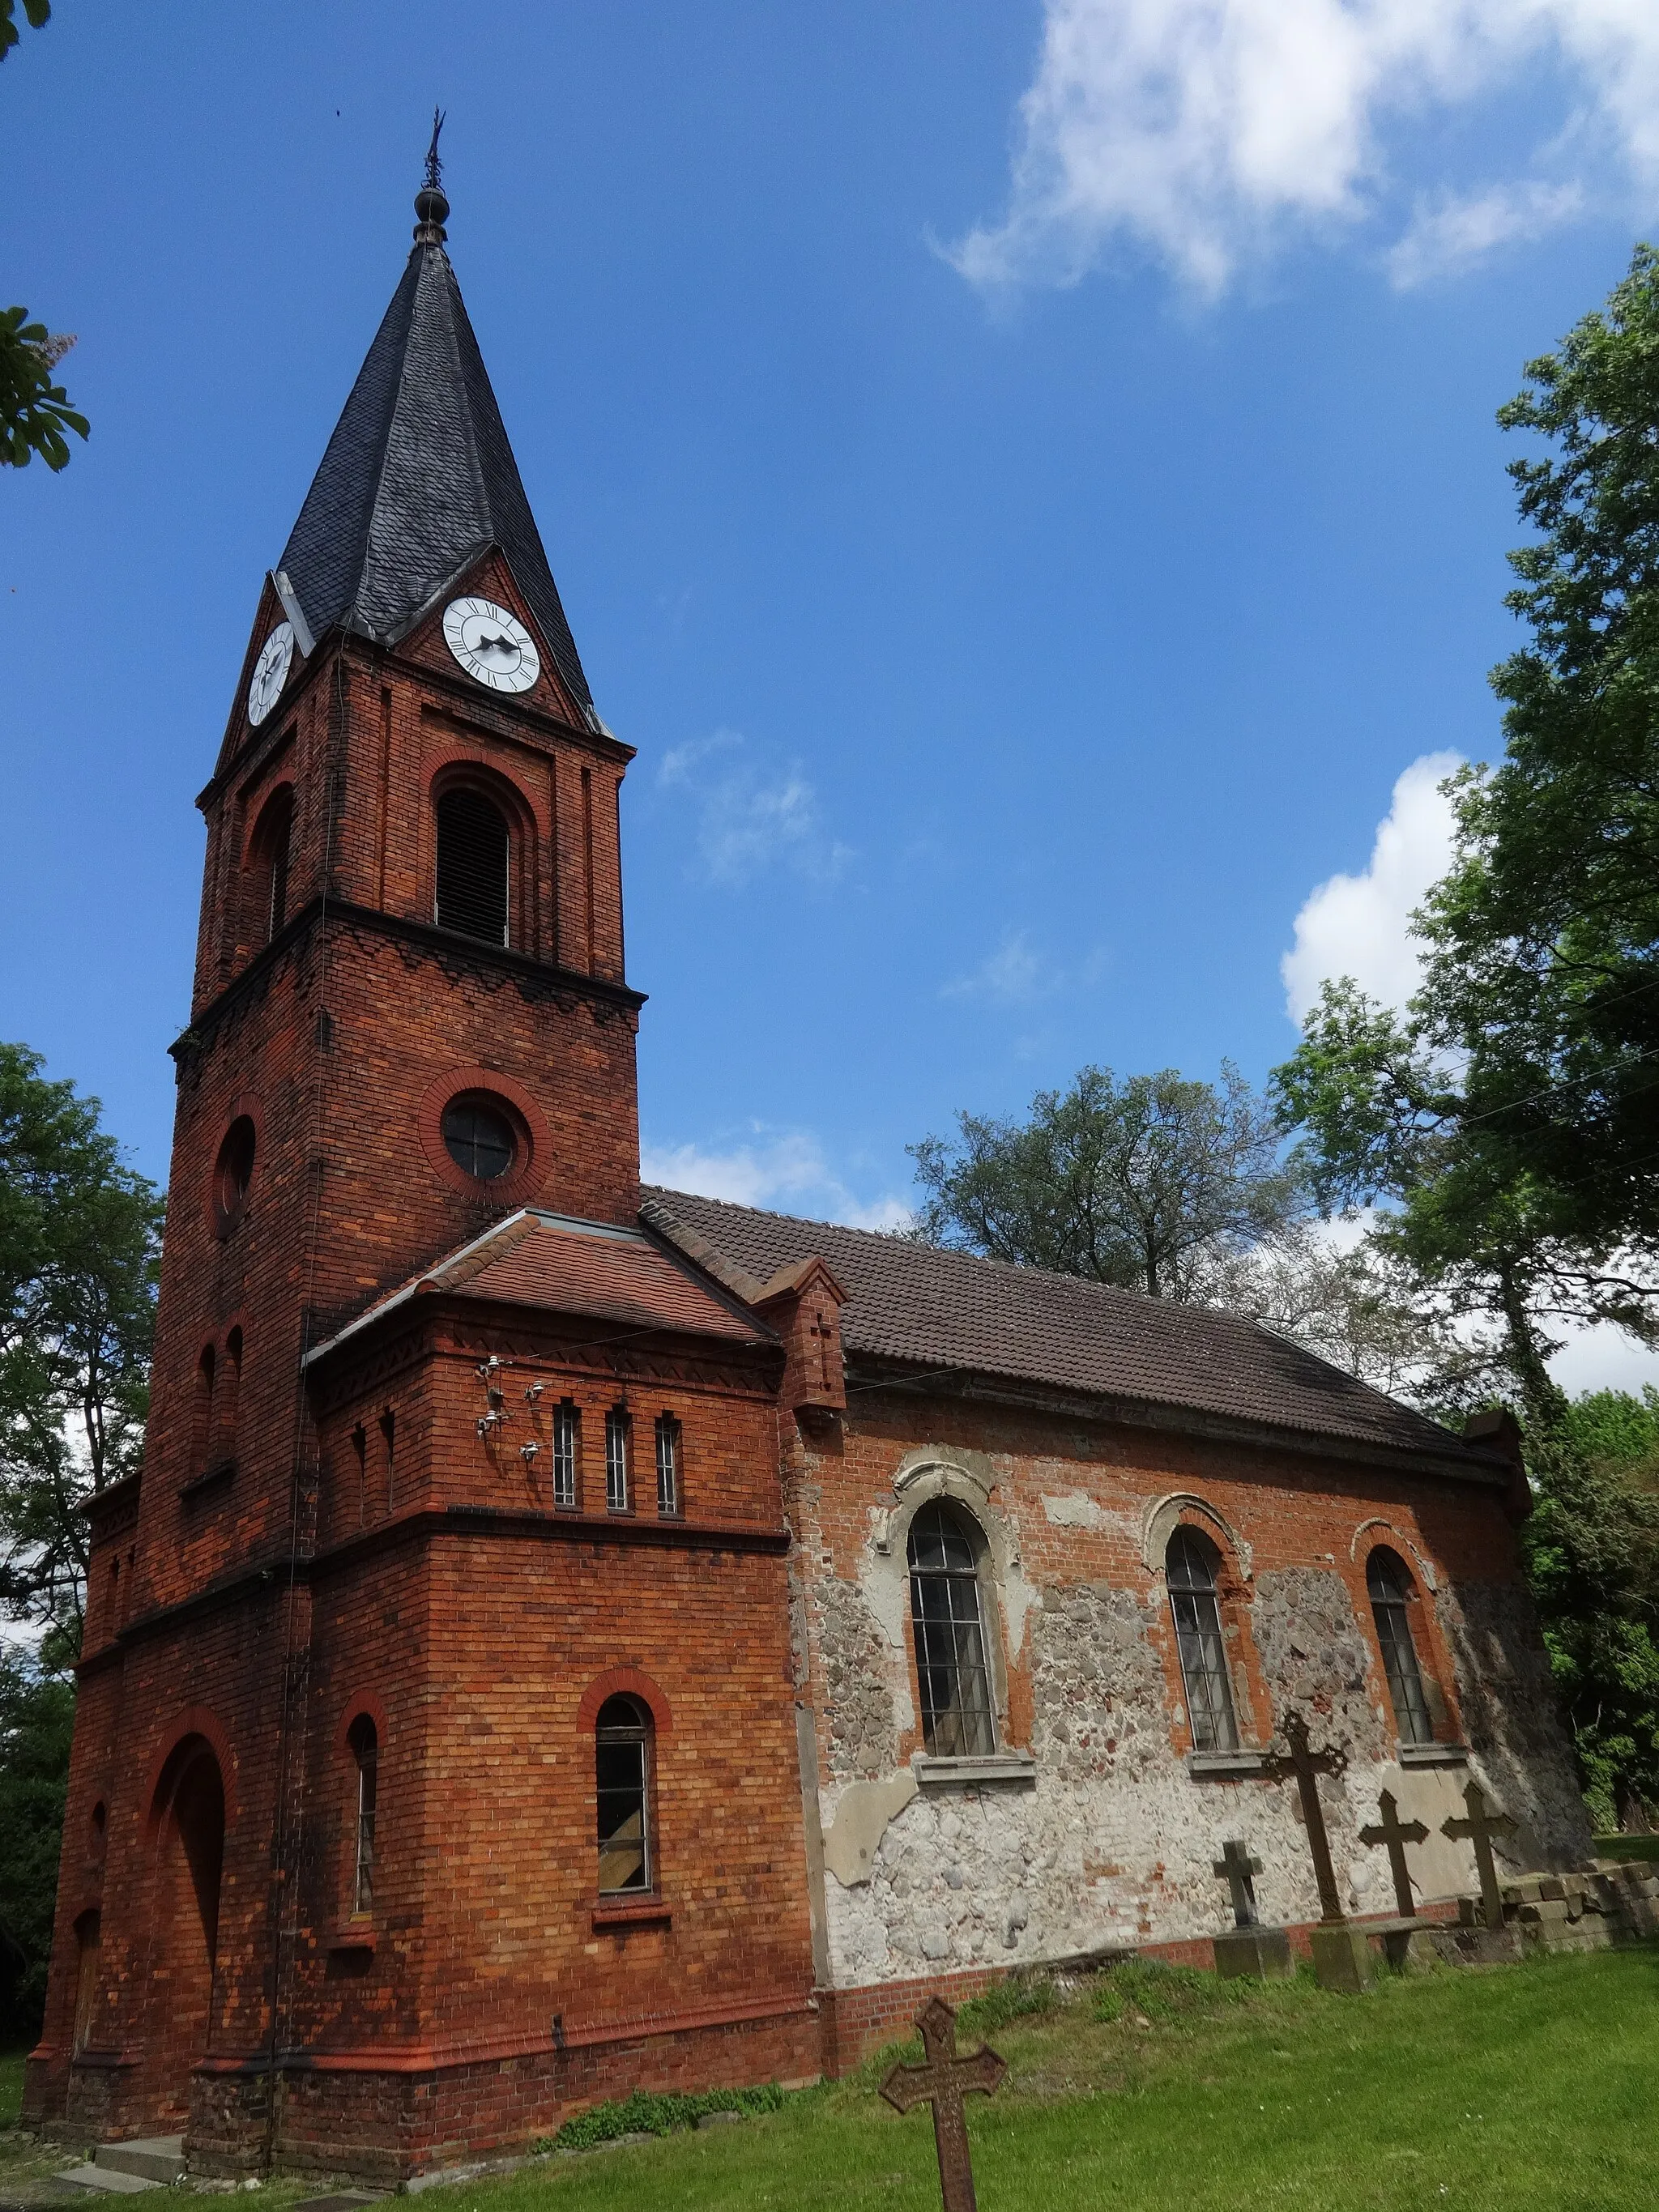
{"x":1433,"y":1754}
{"x":351,"y":1939}
{"x":1222,"y":1766}
{"x":1014,"y":1770}
{"x":641,"y":1912}
{"x":198,"y":1483}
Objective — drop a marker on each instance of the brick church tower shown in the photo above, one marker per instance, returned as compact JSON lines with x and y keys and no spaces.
{"x":454,"y":1578}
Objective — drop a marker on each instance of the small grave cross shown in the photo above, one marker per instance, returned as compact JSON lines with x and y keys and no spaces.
{"x":1481,"y":1827}
{"x":1236,"y":1866}
{"x":943,"y":2081}
{"x":1395,"y":1833}
{"x":1307,"y":1765}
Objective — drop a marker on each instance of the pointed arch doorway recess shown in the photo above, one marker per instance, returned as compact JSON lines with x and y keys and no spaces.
{"x":189,"y":1816}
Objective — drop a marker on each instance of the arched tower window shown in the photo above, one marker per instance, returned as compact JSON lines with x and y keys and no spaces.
{"x":1190,"y":1571}
{"x":474,"y":854}
{"x":951,"y":1670}
{"x":268,"y":865}
{"x":1392,"y":1594}
{"x":366,"y":1751}
{"x":201,"y":1426}
{"x":622,"y":1766}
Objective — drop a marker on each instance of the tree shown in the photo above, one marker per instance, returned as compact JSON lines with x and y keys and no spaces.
{"x":34,"y":412}
{"x":1510,"y":1115}
{"x":80,"y":1236}
{"x":1153,"y":1182}
{"x":37,"y":1722}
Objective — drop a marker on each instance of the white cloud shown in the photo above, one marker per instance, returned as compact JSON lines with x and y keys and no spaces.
{"x":1018,"y":974}
{"x":748,"y":819}
{"x":1205,"y":132}
{"x":1449,"y":235}
{"x":1358,"y":925}
{"x":785,"y":1171}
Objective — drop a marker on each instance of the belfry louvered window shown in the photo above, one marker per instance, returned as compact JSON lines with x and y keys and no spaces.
{"x":951,"y":1671}
{"x":1391,"y":1589}
{"x":1190,"y":1572}
{"x":474,"y":852}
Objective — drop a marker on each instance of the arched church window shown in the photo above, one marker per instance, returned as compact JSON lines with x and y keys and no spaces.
{"x":268,"y":860}
{"x":365,"y":1744}
{"x":479,"y":1138}
{"x":474,"y":851}
{"x":951,"y":1668}
{"x":1392,"y":1594}
{"x":622,"y":1762}
{"x":1190,"y":1571}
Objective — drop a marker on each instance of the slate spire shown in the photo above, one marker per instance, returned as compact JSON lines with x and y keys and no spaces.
{"x":418,"y":478}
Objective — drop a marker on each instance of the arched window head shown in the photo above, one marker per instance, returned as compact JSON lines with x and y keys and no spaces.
{"x":1392,"y":1595}
{"x":1190,"y":1571}
{"x":474,"y":853}
{"x":268,"y":857}
{"x":232,"y":1171}
{"x":365,"y":1744}
{"x":621,"y":1772}
{"x":957,"y":1719}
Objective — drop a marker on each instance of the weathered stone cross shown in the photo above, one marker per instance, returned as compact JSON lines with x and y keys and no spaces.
{"x":1308,"y":1765}
{"x":1395,"y":1833}
{"x":1236,"y":1866}
{"x":1481,"y":1827}
{"x":942,"y":2081}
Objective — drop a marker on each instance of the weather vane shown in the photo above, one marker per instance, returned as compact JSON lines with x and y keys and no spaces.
{"x":435,"y":167}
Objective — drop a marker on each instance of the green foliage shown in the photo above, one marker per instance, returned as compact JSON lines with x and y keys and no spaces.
{"x":36,"y":1719}
{"x":645,"y":2113}
{"x":80,"y":1240}
{"x":1509,"y":1116}
{"x":1156,"y":1992}
{"x":1592,"y":1554}
{"x":1021,"y":1997}
{"x":1151,"y":1183}
{"x":34,"y":412}
{"x":36,"y":12}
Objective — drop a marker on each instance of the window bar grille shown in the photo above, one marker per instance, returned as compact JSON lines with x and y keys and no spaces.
{"x":615,"y":1461}
{"x":367,"y":1777}
{"x":1197,"y":1614}
{"x":564,"y":1455}
{"x":668,"y":1466}
{"x":1394,"y":1635}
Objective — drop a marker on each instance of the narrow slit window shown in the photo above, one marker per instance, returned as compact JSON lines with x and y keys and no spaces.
{"x":622,"y":1760}
{"x":229,"y":1411}
{"x":201,"y":1442}
{"x":945,"y":1612}
{"x":1390,"y":1589}
{"x":474,"y":853}
{"x":668,"y":1466}
{"x":366,"y":1749}
{"x":615,"y":1461}
{"x":1196,"y":1608}
{"x":564,"y":1455}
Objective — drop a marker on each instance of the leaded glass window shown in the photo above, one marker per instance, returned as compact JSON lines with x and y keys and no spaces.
{"x":947,"y":1616}
{"x":365,"y":1744}
{"x":1390,"y":1589}
{"x":564,"y":1455}
{"x":1190,"y":1572}
{"x":622,"y":1758}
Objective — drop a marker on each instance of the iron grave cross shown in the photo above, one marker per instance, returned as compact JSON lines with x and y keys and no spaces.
{"x":1481,"y":1827}
{"x":1307,"y":1765}
{"x":943,"y":2081}
{"x":1396,"y":1833}
{"x":1236,"y":1866}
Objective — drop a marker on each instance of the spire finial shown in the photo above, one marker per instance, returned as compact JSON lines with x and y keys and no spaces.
{"x":430,"y":205}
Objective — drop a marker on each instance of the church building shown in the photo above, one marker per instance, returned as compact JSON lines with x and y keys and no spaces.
{"x":568,"y":1636}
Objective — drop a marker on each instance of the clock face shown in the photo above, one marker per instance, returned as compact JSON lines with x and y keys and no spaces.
{"x":493,"y":646}
{"x":271,"y":673}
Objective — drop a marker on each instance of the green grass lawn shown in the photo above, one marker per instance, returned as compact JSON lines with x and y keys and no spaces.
{"x":11,"y":2084}
{"x":1534,"y":2086}
{"x":1628,"y":1847}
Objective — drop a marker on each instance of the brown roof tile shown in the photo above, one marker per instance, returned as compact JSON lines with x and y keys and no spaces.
{"x":950,"y":1310}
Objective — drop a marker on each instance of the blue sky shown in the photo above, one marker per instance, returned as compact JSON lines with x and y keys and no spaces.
{"x":1025,"y":479}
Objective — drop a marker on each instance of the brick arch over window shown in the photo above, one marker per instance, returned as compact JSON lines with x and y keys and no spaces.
{"x":625,"y":1682}
{"x":1232,"y":1565}
{"x":266,"y":901}
{"x":527,"y":1173}
{"x":195,"y":1721}
{"x":362,"y":1704}
{"x":463,"y":771}
{"x":244,"y":1110}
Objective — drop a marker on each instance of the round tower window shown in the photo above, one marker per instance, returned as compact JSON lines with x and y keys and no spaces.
{"x":479,"y":1138}
{"x":233,"y":1172}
